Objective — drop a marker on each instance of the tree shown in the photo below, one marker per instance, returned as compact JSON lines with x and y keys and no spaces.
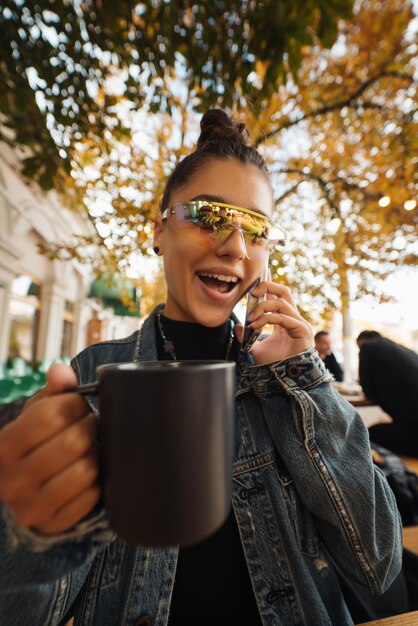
{"x":347,"y":186}
{"x":59,"y":61}
{"x":339,"y":134}
{"x":152,"y":292}
{"x":121,"y":183}
{"x":353,"y":117}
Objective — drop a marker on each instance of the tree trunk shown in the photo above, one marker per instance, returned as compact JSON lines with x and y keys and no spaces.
{"x":347,"y":346}
{"x":347,"y":325}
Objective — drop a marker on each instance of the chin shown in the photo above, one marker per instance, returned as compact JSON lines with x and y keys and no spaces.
{"x":212,"y":320}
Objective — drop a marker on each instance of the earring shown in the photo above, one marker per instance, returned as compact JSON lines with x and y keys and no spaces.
{"x":156,"y":250}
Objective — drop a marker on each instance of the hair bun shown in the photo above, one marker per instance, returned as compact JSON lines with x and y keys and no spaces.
{"x":216,"y":125}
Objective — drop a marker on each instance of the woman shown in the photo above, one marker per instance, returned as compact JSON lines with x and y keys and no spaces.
{"x":305,"y":495}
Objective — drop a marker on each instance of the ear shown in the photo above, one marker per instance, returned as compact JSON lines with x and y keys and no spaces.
{"x":158,"y":233}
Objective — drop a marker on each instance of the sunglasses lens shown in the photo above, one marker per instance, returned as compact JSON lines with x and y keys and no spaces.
{"x":217,"y":222}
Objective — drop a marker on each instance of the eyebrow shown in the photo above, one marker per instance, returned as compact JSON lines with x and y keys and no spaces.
{"x":210,"y":198}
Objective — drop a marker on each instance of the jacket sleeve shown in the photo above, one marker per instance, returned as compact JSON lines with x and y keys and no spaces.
{"x":325,"y":446}
{"x":24,"y":563}
{"x":38,"y":588}
{"x":40,"y":576}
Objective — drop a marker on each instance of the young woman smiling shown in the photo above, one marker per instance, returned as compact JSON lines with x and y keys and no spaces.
{"x":306,"y":496}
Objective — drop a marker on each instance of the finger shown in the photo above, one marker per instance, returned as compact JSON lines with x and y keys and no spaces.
{"x":239,"y":332}
{"x":59,"y":378}
{"x":72,"y":512}
{"x":295,"y":326}
{"x":38,"y":423}
{"x":49,"y":459}
{"x":271,"y":289}
{"x":273,"y":306}
{"x":58,"y":492}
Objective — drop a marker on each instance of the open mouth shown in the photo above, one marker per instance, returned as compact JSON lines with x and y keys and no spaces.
{"x":220,"y":282}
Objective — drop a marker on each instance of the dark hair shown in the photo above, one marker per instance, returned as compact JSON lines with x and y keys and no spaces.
{"x":320,"y":333}
{"x":369,"y":335}
{"x":220,"y":138}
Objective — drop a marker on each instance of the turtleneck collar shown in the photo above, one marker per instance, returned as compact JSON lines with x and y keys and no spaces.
{"x":194,"y":341}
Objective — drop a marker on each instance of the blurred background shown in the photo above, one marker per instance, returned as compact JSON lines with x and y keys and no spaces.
{"x":98,"y":101}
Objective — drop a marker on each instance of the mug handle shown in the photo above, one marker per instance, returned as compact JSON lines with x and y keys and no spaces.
{"x":89,"y":389}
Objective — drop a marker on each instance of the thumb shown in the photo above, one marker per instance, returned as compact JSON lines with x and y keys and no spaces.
{"x":239,"y":332}
{"x":59,"y":378}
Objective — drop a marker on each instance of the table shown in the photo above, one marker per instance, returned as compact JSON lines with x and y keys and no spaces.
{"x":356,"y":399}
{"x":410,"y":462}
{"x":371,"y":413}
{"x":410,"y":538}
{"x":405,"y":619}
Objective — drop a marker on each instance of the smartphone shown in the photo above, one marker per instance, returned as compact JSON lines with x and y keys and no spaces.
{"x":249,"y":334}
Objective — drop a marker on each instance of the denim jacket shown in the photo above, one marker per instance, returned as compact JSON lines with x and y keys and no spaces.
{"x":305,"y":495}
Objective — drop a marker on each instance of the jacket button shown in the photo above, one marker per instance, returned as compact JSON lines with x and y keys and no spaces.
{"x":144,"y":620}
{"x":243,"y":494}
{"x":293,"y":371}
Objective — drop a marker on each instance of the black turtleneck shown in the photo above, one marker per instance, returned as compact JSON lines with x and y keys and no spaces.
{"x":194,"y":341}
{"x":212,"y":584}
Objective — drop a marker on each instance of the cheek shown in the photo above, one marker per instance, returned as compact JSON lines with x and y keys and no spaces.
{"x":193,"y":241}
{"x":188,"y":246}
{"x":255,"y":268}
{"x":181,"y":259}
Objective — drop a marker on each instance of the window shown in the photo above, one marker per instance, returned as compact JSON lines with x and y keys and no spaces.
{"x":67,"y":331}
{"x":24,"y":319}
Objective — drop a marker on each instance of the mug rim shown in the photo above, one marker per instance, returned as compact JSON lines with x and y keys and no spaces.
{"x":192,"y":364}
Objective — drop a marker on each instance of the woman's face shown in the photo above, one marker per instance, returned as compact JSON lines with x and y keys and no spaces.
{"x":193,"y":295}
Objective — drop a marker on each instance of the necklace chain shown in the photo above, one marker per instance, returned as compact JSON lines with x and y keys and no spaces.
{"x":168,"y":345}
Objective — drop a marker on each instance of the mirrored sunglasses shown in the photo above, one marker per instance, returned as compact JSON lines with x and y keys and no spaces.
{"x":216,"y":220}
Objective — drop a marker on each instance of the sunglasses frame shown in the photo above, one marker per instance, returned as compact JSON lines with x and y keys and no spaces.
{"x":171,"y":211}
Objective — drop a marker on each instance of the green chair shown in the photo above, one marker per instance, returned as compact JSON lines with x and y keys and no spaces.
{"x":20,"y":367}
{"x":7,"y":390}
{"x":40,"y":377}
{"x":26,"y":385}
{"x":4,"y":371}
{"x":44,"y":365}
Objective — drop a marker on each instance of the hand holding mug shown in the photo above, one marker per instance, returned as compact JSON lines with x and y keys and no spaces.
{"x":49,"y":458}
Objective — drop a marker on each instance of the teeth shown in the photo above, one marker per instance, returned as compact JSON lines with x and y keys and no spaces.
{"x":224,"y":277}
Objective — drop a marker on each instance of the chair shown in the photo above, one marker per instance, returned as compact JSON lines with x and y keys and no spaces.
{"x":44,"y":365}
{"x":26,"y":385}
{"x":40,"y":377}
{"x":7,"y":390}
{"x":20,"y":367}
{"x":4,"y":371}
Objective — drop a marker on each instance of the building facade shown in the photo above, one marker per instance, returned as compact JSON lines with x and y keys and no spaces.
{"x":45,"y":312}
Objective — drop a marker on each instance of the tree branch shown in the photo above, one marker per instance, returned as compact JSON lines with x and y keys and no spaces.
{"x":287,"y":193}
{"x":328,"y":108}
{"x":323,"y":184}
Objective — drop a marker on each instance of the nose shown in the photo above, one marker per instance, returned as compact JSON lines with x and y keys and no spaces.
{"x":232,"y":244}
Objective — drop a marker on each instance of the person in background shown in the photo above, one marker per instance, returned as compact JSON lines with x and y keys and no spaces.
{"x":323,"y":345}
{"x":388,"y":374}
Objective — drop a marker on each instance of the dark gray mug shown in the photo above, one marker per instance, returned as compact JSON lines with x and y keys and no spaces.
{"x":166,"y":441}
